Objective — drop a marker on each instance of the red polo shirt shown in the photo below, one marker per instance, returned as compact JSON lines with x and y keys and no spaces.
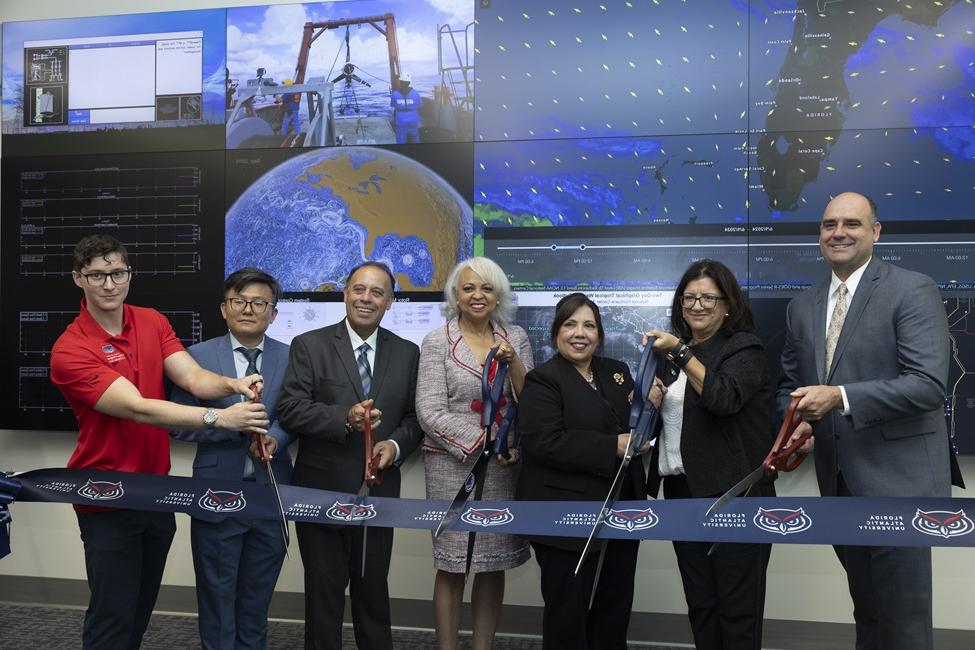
{"x":86,"y":360}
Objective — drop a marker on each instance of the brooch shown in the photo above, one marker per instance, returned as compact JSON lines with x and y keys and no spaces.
{"x":618,"y":376}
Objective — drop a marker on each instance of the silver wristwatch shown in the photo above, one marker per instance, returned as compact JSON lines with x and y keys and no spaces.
{"x":210,"y":418}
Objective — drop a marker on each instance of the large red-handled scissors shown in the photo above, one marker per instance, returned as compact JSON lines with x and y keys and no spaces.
{"x":266,"y":458}
{"x":371,"y":476}
{"x":784,"y":457}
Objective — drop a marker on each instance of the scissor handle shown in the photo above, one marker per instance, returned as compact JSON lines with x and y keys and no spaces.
{"x":371,"y":473}
{"x":784,"y":457}
{"x":374,"y":475}
{"x":491,"y":392}
{"x":642,"y":411}
{"x":265,"y":457}
{"x":507,"y":425}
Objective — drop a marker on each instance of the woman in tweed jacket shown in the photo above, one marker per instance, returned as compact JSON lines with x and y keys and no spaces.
{"x":478,"y":308}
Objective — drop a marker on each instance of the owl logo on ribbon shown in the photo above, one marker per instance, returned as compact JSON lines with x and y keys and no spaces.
{"x":222,"y":501}
{"x":351,"y":511}
{"x":782,"y":520}
{"x":941,"y":523}
{"x":487,"y":517}
{"x":630,"y":520}
{"x":101,"y":490}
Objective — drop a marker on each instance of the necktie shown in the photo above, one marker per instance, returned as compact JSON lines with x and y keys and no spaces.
{"x":835,"y":326}
{"x":365,"y":372}
{"x":251,"y":355}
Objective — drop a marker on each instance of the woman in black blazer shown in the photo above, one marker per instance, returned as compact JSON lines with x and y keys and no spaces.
{"x":717,"y":426}
{"x":572,"y":419}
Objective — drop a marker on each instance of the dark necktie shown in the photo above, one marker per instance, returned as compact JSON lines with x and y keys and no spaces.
{"x":365,"y":372}
{"x":251,"y":355}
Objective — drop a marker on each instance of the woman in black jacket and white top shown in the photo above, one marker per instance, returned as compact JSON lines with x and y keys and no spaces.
{"x":717,"y":425}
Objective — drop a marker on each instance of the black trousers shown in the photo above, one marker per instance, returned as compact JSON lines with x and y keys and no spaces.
{"x":725,"y":591}
{"x":332,"y":557}
{"x":891,"y":591}
{"x":125,"y":554}
{"x":567,"y":621}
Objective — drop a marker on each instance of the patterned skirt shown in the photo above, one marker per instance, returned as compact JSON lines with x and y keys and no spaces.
{"x":492,"y":552}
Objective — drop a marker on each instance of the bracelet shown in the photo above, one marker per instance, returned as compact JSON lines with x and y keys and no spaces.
{"x":680,"y":355}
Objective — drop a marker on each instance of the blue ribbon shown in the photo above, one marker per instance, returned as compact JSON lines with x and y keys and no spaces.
{"x":8,"y":492}
{"x":893,"y":521}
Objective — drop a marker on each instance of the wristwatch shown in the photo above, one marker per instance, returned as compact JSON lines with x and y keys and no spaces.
{"x":210,"y":418}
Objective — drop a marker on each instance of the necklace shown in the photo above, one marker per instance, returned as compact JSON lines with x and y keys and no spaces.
{"x":591,"y":380}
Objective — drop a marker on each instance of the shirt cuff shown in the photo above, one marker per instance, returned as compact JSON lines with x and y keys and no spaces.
{"x":396,"y":457}
{"x":846,"y":402}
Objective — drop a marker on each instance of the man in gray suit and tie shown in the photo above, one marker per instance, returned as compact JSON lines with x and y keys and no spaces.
{"x":337,"y":377}
{"x":237,"y":560}
{"x":867,"y":353}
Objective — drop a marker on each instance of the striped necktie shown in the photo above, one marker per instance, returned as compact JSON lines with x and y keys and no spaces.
{"x":251,"y":355}
{"x":365,"y":372}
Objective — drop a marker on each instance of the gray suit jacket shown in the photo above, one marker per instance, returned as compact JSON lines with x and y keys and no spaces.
{"x":320,"y":386}
{"x":892,"y":358}
{"x":221,"y":453}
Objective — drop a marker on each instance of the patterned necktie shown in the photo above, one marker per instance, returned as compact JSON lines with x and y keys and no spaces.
{"x":365,"y":372}
{"x":835,"y":326}
{"x":251,"y":355}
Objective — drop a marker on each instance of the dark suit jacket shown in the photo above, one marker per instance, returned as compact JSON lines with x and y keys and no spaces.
{"x":568,"y":436}
{"x":320,"y":386}
{"x":221,"y":453}
{"x":892,"y":358}
{"x":728,"y":429}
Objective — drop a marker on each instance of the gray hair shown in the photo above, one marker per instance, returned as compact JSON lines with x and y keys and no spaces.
{"x":490,"y":272}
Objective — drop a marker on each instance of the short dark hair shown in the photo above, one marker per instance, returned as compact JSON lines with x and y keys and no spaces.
{"x":94,"y":246}
{"x":568,"y":306}
{"x":248,"y":275}
{"x":379,"y":265}
{"x":739,"y":316}
{"x":873,"y":208}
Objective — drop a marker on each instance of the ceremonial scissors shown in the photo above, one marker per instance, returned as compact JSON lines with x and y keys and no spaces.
{"x":643,"y":415}
{"x":784,"y":457}
{"x":266,"y":458}
{"x":491,"y":395}
{"x":371,"y":476}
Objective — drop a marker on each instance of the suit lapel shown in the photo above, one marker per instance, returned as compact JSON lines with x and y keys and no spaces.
{"x":383,"y":353}
{"x":343,"y":349}
{"x":868,"y":284}
{"x":819,"y":327}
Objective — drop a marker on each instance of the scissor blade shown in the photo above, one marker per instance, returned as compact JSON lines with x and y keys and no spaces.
{"x":737,"y":489}
{"x":611,"y":496}
{"x":285,"y":533}
{"x":452,"y":512}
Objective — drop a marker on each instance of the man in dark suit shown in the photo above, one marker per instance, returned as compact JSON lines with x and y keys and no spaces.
{"x":237,"y":561}
{"x":337,"y":376}
{"x":867,"y":353}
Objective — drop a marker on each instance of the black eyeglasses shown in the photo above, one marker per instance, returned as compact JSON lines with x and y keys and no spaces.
{"x":707,"y":301}
{"x":257,"y":306}
{"x":97,"y":278}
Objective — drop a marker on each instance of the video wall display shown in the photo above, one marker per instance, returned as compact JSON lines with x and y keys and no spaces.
{"x":109,"y":83}
{"x":594,"y":146}
{"x":365,"y":72}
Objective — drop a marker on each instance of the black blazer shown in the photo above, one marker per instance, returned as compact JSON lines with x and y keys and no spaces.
{"x":568,"y":436}
{"x":320,"y":386}
{"x":729,"y":428}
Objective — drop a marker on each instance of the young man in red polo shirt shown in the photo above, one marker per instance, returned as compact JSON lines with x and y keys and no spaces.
{"x":109,"y":363}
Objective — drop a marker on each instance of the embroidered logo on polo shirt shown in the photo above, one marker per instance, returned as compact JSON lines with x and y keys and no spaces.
{"x":112,"y":354}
